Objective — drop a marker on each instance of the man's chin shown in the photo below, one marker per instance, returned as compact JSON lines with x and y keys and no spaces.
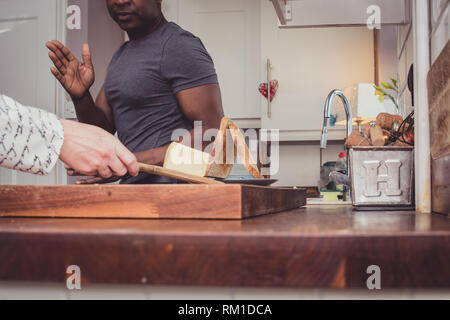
{"x":127,"y":26}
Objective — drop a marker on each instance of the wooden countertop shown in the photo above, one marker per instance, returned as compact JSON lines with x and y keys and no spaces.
{"x":318,"y":246}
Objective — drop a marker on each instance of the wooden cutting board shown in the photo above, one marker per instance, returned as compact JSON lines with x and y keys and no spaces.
{"x":148,"y":201}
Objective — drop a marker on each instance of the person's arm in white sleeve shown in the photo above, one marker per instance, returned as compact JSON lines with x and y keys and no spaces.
{"x":31,"y":140}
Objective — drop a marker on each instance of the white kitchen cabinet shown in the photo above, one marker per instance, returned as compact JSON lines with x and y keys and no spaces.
{"x":230,"y":30}
{"x":316,"y":13}
{"x":25,"y":26}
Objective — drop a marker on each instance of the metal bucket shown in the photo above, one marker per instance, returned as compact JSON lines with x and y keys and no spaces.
{"x":382,"y":176}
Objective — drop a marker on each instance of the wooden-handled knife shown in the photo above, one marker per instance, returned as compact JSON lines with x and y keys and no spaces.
{"x":160,"y":171}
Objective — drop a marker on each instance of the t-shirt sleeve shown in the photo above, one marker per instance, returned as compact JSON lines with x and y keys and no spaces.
{"x":186,"y":64}
{"x":30,"y":138}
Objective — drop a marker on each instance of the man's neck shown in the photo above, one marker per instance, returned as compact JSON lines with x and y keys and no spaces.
{"x":145,"y":31}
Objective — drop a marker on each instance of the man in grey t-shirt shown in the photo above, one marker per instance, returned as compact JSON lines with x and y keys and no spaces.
{"x":161,"y":80}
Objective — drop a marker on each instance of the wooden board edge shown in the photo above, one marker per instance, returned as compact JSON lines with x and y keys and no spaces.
{"x":120,"y":201}
{"x":271,"y":200}
{"x":440,"y":185}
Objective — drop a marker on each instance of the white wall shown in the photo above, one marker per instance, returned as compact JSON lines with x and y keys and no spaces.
{"x":104,"y":37}
{"x":405,"y":54}
{"x":76,"y":37}
{"x":388,"y":62}
{"x":102,"y":34}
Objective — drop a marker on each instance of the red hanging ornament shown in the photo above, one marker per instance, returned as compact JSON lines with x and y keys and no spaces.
{"x":273,"y":89}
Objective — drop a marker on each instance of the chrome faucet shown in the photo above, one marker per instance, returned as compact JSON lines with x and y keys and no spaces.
{"x":335,"y":176}
{"x":327,"y":114}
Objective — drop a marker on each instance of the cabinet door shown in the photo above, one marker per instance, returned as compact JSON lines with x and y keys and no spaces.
{"x":230,"y":30}
{"x":25,"y":26}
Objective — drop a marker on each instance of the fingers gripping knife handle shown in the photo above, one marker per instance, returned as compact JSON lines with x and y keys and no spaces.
{"x":160,"y":171}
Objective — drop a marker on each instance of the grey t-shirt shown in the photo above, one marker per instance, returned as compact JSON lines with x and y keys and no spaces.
{"x":142,"y":79}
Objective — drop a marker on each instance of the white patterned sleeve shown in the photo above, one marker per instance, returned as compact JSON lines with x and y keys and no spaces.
{"x":30,"y":138}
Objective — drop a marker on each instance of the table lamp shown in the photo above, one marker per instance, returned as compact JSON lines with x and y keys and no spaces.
{"x":365,"y":105}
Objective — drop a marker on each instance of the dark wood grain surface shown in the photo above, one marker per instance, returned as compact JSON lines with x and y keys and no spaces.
{"x":440,"y":184}
{"x":183,"y":201}
{"x":439,"y":109}
{"x":323,"y":247}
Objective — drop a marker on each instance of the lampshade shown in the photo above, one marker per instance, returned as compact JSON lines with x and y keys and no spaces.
{"x":365,"y":104}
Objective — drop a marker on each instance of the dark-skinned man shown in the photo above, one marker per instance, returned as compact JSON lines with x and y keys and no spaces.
{"x":161,"y":80}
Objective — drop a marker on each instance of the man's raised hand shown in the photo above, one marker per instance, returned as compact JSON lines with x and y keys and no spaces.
{"x":74,"y":76}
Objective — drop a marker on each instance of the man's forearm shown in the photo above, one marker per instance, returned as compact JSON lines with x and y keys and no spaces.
{"x":156,"y":156}
{"x":153,"y":156}
{"x":88,"y":112}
